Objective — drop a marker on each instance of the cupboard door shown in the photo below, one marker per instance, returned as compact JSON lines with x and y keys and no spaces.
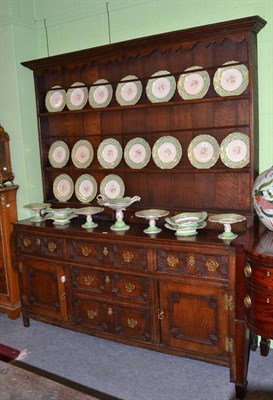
{"x":193,"y":317}
{"x":43,"y":288}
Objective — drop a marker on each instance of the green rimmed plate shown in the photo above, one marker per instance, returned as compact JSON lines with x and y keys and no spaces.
{"x":55,"y":99}
{"x":112,"y":186}
{"x":100,"y":94}
{"x":86,"y":188}
{"x":137,"y":153}
{"x":128,"y":93}
{"x":203,"y":151}
{"x":234,"y":150}
{"x":231,"y":80}
{"x":167,"y":152}
{"x":193,"y":85}
{"x":58,"y":154}
{"x":82,"y":154}
{"x":109,"y":153}
{"x":160,"y":88}
{"x":63,"y":187}
{"x":76,"y":96}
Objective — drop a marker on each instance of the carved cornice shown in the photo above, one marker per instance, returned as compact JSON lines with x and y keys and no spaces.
{"x":236,"y":30}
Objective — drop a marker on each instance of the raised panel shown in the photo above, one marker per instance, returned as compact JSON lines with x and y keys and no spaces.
{"x":42,"y":288}
{"x":195,"y":318}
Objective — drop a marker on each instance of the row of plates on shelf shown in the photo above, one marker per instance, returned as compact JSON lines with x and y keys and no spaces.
{"x":203,"y":152}
{"x":86,"y":187}
{"x":194,"y":83}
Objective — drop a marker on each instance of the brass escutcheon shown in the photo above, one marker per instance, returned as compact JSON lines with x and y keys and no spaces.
{"x":24,"y":299}
{"x":63,"y":296}
{"x":105,"y":251}
{"x":86,"y":251}
{"x":91,"y":314}
{"x":20,"y":266}
{"x":129,"y":287}
{"x":88,"y":279}
{"x":52,"y":246}
{"x":248,"y":270}
{"x":27,"y":242}
{"x":38,"y":242}
{"x":172,"y":261}
{"x":107,"y":279}
{"x":127,"y":256}
{"x":212,"y":265}
{"x":268,"y":273}
{"x":247,"y":301}
{"x":132,"y":322}
{"x":110,"y":311}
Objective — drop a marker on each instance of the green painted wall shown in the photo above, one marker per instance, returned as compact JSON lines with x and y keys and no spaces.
{"x":37,"y":28}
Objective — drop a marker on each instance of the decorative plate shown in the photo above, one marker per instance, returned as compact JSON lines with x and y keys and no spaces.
{"x":203,"y":151}
{"x":162,"y":88}
{"x":137,"y":153}
{"x":58,"y":154}
{"x":86,"y":188}
{"x":76,"y":98}
{"x":234,"y":150}
{"x":55,"y":99}
{"x":109,"y":153}
{"x":63,"y":187}
{"x":130,"y":92}
{"x":193,"y":85}
{"x":231,"y":80}
{"x":82,"y":154}
{"x":100,"y":94}
{"x":112,"y":186}
{"x":167,"y":152}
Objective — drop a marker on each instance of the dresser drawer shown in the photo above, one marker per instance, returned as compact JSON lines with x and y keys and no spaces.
{"x":39,"y":245}
{"x":259,"y":311}
{"x":118,"y":286}
{"x":108,"y":255}
{"x":193,"y":264}
{"x":259,"y":275}
{"x":114,"y":318}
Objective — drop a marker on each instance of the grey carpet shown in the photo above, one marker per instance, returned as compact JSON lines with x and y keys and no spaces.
{"x":127,"y":372}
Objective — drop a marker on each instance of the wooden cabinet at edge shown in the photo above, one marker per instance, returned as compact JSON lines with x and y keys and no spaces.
{"x":9,"y":290}
{"x":176,"y":296}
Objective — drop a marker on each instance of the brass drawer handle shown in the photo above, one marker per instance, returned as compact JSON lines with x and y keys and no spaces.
{"x":160,"y":314}
{"x":52,"y":246}
{"x":91,"y":314}
{"x":127,"y":256}
{"x":212,"y":265}
{"x":247,"y":301}
{"x":172,"y":261}
{"x":88,"y":280}
{"x":86,"y":251}
{"x":132,"y":323}
{"x":191,"y":261}
{"x":248,"y":270}
{"x":105,"y":251}
{"x":27,"y":242}
{"x":129,"y":287}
